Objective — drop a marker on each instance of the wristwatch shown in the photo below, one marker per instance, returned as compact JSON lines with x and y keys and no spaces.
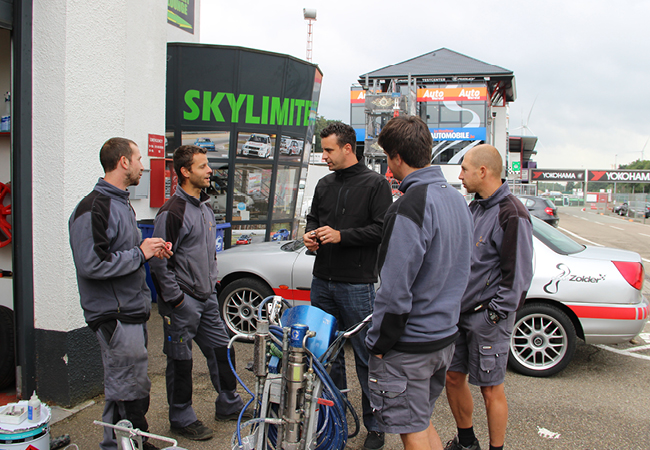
{"x":493,"y":316}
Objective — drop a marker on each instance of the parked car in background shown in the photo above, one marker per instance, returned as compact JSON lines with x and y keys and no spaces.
{"x":205,"y":143}
{"x":636,"y":211}
{"x":621,"y":209}
{"x":591,"y":293}
{"x":541,"y":208}
{"x":281,"y":235}
{"x":258,"y":145}
{"x":244,"y":239}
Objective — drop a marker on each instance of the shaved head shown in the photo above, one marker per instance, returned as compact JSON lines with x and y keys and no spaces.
{"x":481,"y":169}
{"x":487,"y":156}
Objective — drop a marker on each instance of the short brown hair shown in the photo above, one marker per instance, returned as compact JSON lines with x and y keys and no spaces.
{"x":113,"y":150}
{"x":408,"y":137}
{"x":183,"y":157}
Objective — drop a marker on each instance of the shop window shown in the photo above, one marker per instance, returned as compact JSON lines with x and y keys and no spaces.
{"x":449,"y":116}
{"x":478,"y":118}
{"x":217,"y":143}
{"x":291,"y":149}
{"x":286,"y":190}
{"x":255,"y":145}
{"x":281,"y":231}
{"x":252,"y":186}
{"x":218,"y":190}
{"x":248,"y":234}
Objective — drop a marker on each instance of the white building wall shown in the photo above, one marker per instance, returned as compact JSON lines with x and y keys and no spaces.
{"x":99,"y":71}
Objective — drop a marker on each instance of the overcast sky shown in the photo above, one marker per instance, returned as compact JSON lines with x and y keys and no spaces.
{"x":581,"y":67}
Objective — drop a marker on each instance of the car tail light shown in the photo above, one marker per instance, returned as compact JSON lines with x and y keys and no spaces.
{"x":632,"y":272}
{"x":548,"y":210}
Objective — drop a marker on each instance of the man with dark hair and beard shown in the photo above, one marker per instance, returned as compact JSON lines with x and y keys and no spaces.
{"x":186,"y":284}
{"x":109,"y":255}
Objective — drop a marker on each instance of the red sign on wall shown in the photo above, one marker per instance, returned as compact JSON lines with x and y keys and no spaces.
{"x":156,"y":145}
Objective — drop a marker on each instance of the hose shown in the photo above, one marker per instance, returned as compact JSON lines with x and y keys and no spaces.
{"x":232,"y":367}
{"x":332,"y":429}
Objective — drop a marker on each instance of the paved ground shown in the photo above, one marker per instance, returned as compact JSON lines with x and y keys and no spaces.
{"x":600,"y":401}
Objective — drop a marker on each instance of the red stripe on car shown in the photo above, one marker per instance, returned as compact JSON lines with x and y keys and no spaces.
{"x":607,"y":312}
{"x":293,"y":294}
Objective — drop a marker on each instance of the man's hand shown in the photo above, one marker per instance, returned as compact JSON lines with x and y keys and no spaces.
{"x":311,"y":241}
{"x":166,"y":252}
{"x":153,"y":247}
{"x":328,"y":235}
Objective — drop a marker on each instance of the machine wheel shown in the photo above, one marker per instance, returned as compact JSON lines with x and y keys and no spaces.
{"x":543,"y":340}
{"x":7,"y":361}
{"x":239,"y":301}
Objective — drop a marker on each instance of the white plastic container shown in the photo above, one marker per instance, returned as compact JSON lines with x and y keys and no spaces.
{"x":34,"y":408}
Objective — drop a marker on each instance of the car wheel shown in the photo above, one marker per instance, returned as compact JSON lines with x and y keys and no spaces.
{"x":238,"y":303}
{"x":543,"y":340}
{"x":7,"y":361}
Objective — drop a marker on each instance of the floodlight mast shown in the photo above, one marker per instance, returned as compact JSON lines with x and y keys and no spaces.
{"x":310,"y":16}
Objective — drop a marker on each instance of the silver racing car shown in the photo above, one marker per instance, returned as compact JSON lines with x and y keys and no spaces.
{"x":592,"y":293}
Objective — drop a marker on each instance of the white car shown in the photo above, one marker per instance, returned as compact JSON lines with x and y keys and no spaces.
{"x":258,"y":145}
{"x":593,"y":293}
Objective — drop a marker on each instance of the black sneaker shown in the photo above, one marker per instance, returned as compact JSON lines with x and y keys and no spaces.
{"x":374,"y":441}
{"x":455,"y":445}
{"x":234,"y":416}
{"x":195,"y":431}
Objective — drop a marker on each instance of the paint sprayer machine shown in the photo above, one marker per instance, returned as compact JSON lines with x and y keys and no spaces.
{"x":297,"y":406}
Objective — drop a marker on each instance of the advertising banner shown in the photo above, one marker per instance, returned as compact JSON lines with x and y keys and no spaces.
{"x":452,"y":94}
{"x":458,"y":134}
{"x":180,"y":13}
{"x":557,"y":175}
{"x":216,"y":86}
{"x":619,"y":176}
{"x":357,"y":96}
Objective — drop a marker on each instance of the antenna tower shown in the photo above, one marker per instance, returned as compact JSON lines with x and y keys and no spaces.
{"x":310,"y":17}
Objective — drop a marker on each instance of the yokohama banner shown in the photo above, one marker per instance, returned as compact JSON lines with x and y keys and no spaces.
{"x":557,"y":175}
{"x":619,"y":176}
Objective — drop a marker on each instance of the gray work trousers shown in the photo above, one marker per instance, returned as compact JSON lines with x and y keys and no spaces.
{"x":126,"y":384}
{"x":199,"y":321}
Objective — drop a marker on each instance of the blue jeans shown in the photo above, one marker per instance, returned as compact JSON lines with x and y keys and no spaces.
{"x":349,"y":303}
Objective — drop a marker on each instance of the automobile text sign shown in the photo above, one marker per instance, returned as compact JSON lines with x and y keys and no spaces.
{"x":477,"y":93}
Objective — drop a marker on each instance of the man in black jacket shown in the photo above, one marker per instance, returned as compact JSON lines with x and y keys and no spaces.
{"x":344,"y":228}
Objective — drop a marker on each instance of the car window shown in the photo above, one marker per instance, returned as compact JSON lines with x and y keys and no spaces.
{"x":554,"y":239}
{"x":549,"y":203}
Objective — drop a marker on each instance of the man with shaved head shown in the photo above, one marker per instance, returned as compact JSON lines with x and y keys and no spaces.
{"x":499,"y":280}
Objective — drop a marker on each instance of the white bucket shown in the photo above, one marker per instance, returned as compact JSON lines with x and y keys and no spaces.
{"x":27,"y":435}
{"x":38,"y":439}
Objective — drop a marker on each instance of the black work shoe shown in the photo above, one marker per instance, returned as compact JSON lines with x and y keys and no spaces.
{"x":195,"y":431}
{"x":234,"y":416}
{"x":374,"y":441}
{"x":455,"y":445}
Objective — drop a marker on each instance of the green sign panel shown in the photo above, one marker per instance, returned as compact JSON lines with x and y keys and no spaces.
{"x":516,"y":166}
